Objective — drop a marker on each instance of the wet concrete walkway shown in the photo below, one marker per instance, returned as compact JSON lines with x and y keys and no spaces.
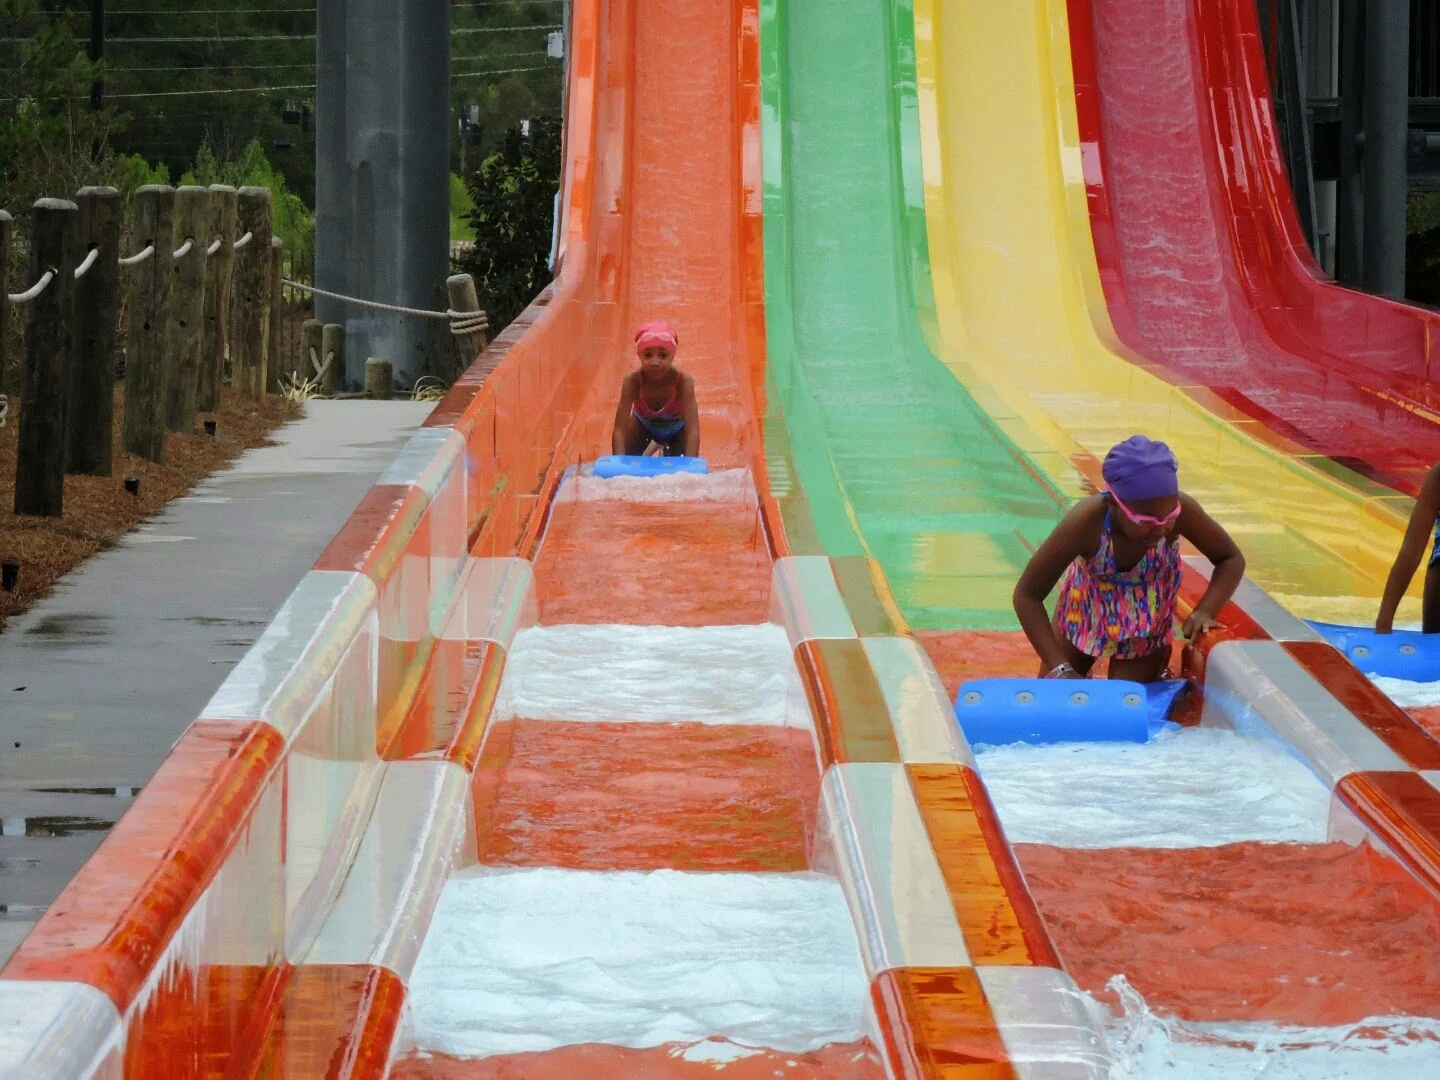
{"x":99,"y":680}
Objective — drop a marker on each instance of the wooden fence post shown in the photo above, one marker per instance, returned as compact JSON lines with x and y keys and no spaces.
{"x":5,"y":220}
{"x":219,"y":274}
{"x":142,"y":430}
{"x":185,"y":333}
{"x":250,"y":341}
{"x":379,"y":379}
{"x":40,"y":458}
{"x":461,"y":288}
{"x":332,"y":345}
{"x":91,"y":417}
{"x":279,"y":363}
{"x":312,"y":349}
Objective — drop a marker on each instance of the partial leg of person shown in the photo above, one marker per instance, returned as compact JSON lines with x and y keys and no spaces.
{"x":1081,"y":662}
{"x":1142,"y":669}
{"x":1430,"y":609}
{"x":636,"y":437}
{"x":675,"y":445}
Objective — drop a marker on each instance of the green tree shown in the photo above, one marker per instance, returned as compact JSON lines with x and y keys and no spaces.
{"x":50,"y":140}
{"x":514,"y":195}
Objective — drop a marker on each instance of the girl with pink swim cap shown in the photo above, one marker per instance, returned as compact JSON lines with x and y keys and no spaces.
{"x":1119,"y":554}
{"x":657,"y":402}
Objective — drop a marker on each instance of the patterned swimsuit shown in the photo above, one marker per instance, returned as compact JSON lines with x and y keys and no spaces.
{"x":1126,"y":614}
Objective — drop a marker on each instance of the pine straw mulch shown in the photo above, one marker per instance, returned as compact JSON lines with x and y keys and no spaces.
{"x":98,"y":509}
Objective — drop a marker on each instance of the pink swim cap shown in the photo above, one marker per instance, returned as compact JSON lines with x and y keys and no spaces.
{"x":657,"y":333}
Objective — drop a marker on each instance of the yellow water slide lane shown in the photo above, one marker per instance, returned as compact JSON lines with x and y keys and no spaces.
{"x":1022,"y":323}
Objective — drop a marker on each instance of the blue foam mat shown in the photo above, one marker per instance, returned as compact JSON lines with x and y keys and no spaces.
{"x":997,"y":712}
{"x":636,"y":465}
{"x":1403,"y":654}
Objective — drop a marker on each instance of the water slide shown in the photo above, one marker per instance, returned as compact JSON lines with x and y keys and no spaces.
{"x":1205,"y":269}
{"x":538,"y":775}
{"x":1230,"y":881}
{"x":542,"y":775}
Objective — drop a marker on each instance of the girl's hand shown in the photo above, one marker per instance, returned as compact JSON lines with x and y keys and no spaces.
{"x":1197,"y":623}
{"x":1382,"y":626}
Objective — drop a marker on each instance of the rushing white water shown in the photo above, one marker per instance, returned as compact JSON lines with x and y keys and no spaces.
{"x":707,"y":674}
{"x":1147,"y":1047}
{"x":1406,"y":694}
{"x":722,"y":485}
{"x":1194,"y":787}
{"x":532,"y":959}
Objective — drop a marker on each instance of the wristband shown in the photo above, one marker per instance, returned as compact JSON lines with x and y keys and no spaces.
{"x":1059,"y":671}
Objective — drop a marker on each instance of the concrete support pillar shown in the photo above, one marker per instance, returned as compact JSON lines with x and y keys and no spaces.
{"x":1386,"y":118}
{"x":383,"y":219}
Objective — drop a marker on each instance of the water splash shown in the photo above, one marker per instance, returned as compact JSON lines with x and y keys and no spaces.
{"x":1145,"y":1046}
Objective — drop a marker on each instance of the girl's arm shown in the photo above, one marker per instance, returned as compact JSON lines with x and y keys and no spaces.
{"x":1412,"y":549}
{"x":622,"y":413}
{"x":1215,"y":544}
{"x":1073,"y":537}
{"x":692,"y":415}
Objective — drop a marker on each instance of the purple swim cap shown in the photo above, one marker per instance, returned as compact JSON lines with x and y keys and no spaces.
{"x":1139,"y":469}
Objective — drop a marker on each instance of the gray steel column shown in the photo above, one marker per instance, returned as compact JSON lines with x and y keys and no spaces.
{"x":398,"y":110}
{"x":1322,"y":80}
{"x":1350,"y":190}
{"x":1387,"y":112}
{"x":332,"y":173}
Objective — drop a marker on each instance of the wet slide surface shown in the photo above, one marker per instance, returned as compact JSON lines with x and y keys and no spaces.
{"x":1015,"y":272}
{"x":937,"y":493}
{"x":1207,"y":829}
{"x":645,"y":797}
{"x":1194,"y":225}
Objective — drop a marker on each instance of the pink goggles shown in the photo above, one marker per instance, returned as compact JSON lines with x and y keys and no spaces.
{"x":1145,"y":520}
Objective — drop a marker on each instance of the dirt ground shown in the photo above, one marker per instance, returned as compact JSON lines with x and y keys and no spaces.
{"x":98,"y":509}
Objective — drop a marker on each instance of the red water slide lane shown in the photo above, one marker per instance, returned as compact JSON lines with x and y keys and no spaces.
{"x":1205,"y":269}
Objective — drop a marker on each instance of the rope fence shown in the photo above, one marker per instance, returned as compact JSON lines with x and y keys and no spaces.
{"x":236,"y":292}
{"x":462,"y":323}
{"x":34,"y":290}
{"x":139,"y":257}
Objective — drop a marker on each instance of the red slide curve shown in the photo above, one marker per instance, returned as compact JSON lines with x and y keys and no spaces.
{"x":1205,"y":268}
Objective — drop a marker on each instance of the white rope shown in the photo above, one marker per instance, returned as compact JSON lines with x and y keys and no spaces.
{"x":184,"y":249}
{"x":462,"y":323}
{"x":34,"y":290}
{"x":243,"y":241}
{"x":137,"y":259}
{"x":215,"y":246}
{"x":89,"y":262}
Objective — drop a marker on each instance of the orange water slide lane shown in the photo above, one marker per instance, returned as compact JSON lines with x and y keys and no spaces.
{"x":644,"y":796}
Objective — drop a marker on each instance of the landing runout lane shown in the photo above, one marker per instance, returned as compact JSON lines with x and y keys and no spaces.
{"x":645,"y":801}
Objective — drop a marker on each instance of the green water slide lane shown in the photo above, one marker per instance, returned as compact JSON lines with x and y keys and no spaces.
{"x":881,"y":434}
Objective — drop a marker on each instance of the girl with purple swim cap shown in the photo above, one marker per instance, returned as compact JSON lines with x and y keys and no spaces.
{"x":1119,"y":554}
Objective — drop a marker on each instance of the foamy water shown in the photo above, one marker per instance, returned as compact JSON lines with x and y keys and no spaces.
{"x":1406,"y":694}
{"x":707,"y":674}
{"x":1147,"y":1047}
{"x":532,"y":959}
{"x":1195,"y":787}
{"x":722,"y":485}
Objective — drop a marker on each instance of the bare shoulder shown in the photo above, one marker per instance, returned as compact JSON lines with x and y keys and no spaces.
{"x":1080,"y":527}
